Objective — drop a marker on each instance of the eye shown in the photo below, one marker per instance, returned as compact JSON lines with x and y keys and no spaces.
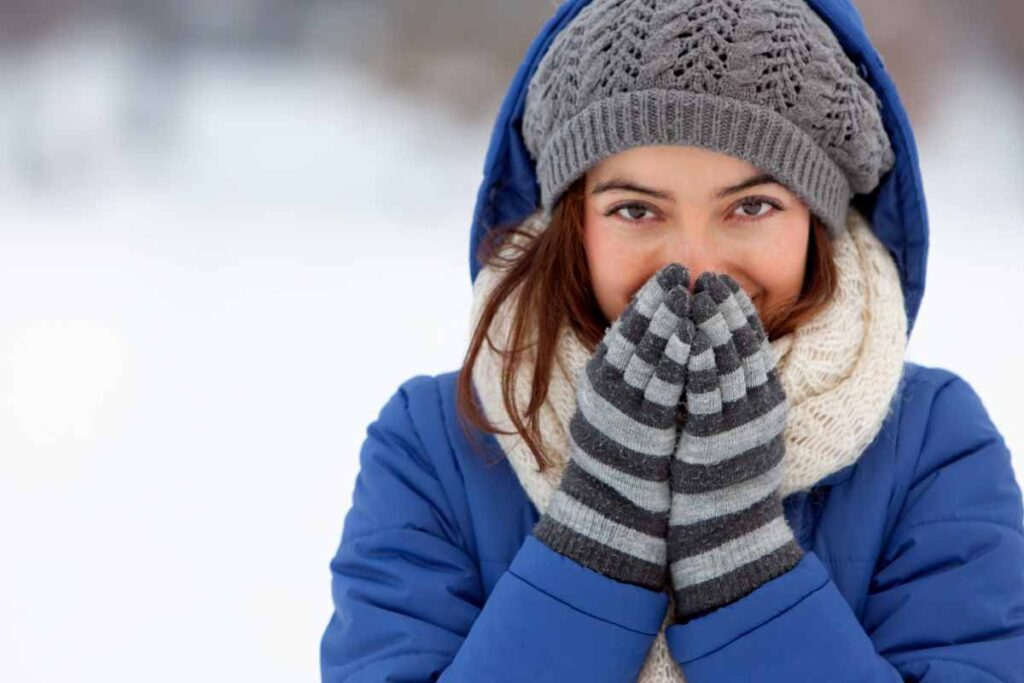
{"x":756,"y":204}
{"x":632,"y":210}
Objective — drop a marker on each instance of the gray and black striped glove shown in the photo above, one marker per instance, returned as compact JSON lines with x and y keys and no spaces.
{"x":610,"y":511}
{"x":727,"y":532}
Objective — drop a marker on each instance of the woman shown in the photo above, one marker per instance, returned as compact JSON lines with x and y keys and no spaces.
{"x":685,"y":444}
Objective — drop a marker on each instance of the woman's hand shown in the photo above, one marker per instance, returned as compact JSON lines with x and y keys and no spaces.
{"x":610,"y":512}
{"x":727,"y":532}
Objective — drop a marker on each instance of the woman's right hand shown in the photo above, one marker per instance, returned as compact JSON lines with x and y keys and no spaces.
{"x":610,"y":512}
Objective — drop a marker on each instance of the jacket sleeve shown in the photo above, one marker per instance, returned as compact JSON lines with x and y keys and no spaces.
{"x":946,"y":601}
{"x":408,"y":599}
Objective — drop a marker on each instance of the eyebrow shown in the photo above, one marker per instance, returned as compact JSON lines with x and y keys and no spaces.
{"x":622,"y":184}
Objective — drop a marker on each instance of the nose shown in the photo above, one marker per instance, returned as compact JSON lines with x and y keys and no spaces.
{"x":698,"y":253}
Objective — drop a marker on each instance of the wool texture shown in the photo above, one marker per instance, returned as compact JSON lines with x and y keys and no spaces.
{"x":610,"y":512}
{"x":840,"y":372}
{"x":728,"y":534}
{"x":765,"y":81}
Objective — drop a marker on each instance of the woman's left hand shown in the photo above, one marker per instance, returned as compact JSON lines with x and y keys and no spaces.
{"x":727,"y":531}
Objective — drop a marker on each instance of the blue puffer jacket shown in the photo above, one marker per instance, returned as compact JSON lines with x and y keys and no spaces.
{"x":914,"y":563}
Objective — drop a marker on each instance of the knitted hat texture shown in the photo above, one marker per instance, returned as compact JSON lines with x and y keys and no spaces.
{"x":762,"y":80}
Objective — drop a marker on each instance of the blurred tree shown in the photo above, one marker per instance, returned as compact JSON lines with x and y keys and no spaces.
{"x":460,"y":55}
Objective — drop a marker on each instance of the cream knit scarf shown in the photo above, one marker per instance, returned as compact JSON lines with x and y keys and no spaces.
{"x":840,"y":372}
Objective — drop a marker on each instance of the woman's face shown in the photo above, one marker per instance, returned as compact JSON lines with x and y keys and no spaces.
{"x":649,"y":206}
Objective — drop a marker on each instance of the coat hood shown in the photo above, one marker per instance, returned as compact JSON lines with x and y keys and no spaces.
{"x":895,"y":209}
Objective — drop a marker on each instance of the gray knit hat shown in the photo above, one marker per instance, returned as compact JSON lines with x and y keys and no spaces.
{"x":762,"y":80}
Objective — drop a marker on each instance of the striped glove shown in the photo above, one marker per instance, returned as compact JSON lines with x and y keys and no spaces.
{"x":610,"y":511}
{"x":727,"y":531}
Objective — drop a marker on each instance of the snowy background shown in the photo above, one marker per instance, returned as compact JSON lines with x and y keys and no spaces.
{"x":229,"y":231}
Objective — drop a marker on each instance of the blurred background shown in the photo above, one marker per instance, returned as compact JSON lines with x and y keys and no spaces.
{"x":230,"y":230}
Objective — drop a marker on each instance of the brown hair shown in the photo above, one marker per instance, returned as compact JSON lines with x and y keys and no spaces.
{"x":550,"y":271}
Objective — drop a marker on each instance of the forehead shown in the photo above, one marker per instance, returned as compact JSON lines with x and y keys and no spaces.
{"x":668,"y":163}
{"x":675,"y":171}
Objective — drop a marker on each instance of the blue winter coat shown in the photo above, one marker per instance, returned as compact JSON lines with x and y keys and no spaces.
{"x":914,"y":562}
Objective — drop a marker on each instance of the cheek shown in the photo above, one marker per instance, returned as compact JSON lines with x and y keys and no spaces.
{"x":779,"y":270}
{"x":617,"y":269}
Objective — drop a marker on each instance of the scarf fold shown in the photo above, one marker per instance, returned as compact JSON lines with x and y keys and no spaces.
{"x":840,"y":372}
